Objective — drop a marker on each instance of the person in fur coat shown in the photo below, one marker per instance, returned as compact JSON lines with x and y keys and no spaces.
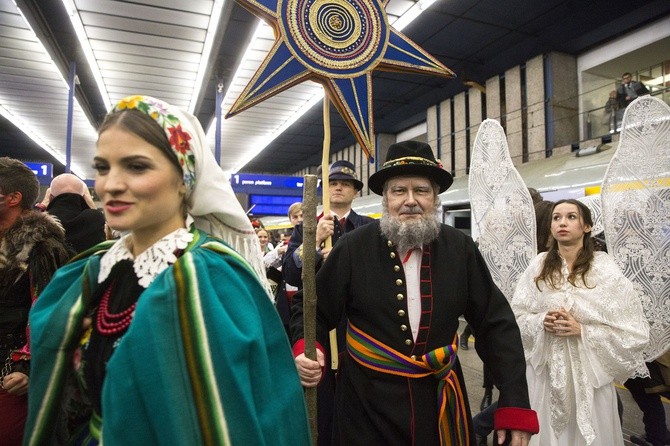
{"x":31,"y":249}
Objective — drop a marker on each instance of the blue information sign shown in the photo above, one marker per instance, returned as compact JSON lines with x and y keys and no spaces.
{"x":43,"y":171}
{"x":242,"y":180}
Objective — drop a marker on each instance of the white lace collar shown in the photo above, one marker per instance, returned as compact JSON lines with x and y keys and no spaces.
{"x":152,"y":261}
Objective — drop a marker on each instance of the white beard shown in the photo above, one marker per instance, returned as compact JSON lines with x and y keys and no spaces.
{"x":413,"y":233}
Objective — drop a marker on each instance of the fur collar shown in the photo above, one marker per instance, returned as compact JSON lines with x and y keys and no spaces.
{"x":17,"y":242}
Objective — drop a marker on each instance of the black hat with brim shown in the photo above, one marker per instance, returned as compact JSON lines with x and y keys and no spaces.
{"x":410,"y":158}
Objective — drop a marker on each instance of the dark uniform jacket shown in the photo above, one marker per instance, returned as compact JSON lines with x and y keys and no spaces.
{"x":291,"y":271}
{"x":363,"y":279}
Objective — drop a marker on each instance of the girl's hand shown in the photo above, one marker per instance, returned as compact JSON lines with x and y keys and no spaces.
{"x":549,"y":321}
{"x":566,"y":324}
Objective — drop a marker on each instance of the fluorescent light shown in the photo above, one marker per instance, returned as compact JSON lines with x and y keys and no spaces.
{"x":316,"y":99}
{"x":214,"y":20}
{"x":261,"y":30}
{"x":411,"y":14}
{"x":25,"y":128}
{"x":88,"y":51}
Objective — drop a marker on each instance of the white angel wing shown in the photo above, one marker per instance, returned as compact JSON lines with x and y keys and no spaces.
{"x":594,"y":205}
{"x":501,"y":208}
{"x":636,"y":212}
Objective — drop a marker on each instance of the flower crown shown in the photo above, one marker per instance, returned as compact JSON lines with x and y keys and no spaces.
{"x":179,"y":138}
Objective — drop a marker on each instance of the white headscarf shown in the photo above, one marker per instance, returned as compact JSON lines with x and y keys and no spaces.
{"x":210,"y":198}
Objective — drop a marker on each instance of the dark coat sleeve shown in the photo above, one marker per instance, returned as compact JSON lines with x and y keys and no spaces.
{"x":498,"y":338}
{"x":291,"y":272}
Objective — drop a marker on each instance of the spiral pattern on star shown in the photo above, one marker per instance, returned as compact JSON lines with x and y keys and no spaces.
{"x":335,"y":37}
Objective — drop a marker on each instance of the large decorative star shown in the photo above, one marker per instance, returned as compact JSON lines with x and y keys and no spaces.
{"x":338,"y":43}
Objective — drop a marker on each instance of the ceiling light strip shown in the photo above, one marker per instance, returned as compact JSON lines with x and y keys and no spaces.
{"x":73,"y":13}
{"x":214,"y":20}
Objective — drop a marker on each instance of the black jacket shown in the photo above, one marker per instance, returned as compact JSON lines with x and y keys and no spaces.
{"x":84,"y":227}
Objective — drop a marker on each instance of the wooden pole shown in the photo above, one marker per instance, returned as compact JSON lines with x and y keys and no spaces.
{"x":309,"y":289}
{"x":325,"y":199}
{"x":325,"y":157}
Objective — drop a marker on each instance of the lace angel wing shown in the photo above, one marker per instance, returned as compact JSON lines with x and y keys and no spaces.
{"x":636,"y":212}
{"x":594,"y":205}
{"x":501,"y":208}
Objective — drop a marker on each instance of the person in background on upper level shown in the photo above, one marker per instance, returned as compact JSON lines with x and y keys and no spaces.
{"x":612,"y":108}
{"x":629,"y":90}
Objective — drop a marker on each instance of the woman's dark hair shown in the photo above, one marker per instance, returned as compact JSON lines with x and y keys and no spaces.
{"x":551,"y":270}
{"x":543,"y":224}
{"x":143,"y":126}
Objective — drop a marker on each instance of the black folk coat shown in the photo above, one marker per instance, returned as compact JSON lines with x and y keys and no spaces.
{"x":362,"y":279}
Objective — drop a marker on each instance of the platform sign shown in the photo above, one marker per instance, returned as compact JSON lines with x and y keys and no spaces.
{"x":43,"y":171}
{"x":244,"y":180}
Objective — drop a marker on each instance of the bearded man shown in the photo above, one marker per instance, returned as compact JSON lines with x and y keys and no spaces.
{"x":402,"y":284}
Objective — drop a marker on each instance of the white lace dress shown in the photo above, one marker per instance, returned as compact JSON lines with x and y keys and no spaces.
{"x":571,"y":379}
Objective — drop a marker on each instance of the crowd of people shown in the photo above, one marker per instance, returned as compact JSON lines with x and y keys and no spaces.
{"x":187,"y":325}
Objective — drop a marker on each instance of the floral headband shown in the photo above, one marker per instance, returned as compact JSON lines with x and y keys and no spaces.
{"x":179,"y":138}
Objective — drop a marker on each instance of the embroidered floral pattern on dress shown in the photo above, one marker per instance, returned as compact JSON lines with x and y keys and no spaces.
{"x":178,"y":137}
{"x":151,"y":262}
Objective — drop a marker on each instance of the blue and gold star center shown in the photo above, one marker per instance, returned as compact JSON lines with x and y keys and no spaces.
{"x":338,"y":43}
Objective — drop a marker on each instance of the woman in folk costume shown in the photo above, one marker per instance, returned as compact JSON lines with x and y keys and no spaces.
{"x":167,"y":335}
{"x":582,"y":328}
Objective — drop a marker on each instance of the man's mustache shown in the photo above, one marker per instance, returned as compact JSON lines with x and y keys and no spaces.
{"x":412,"y":210}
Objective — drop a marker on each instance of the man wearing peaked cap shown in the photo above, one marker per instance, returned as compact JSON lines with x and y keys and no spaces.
{"x":344,"y":186}
{"x":401,"y":283}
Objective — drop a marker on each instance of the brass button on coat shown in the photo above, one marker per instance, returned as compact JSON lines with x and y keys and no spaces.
{"x":401,"y":313}
{"x":398,"y":282}
{"x":396,"y":268}
{"x":403,"y":327}
{"x":408,"y":342}
{"x":393,"y":255}
{"x":400,"y":296}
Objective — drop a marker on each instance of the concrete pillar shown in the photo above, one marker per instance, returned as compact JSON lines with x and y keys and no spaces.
{"x":432,"y":127}
{"x":459,"y":129}
{"x":476,"y":107}
{"x":446,"y":148}
{"x":535,"y":113}
{"x":513,"y":114}
{"x":564,"y":100}
{"x":493,"y":98}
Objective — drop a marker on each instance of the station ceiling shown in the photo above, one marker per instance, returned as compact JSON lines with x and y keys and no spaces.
{"x":171,"y":49}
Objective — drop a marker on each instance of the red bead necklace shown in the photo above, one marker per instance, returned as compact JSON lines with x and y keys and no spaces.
{"x":109,"y":324}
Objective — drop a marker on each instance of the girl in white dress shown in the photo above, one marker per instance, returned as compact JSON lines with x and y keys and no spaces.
{"x":582,"y":328}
